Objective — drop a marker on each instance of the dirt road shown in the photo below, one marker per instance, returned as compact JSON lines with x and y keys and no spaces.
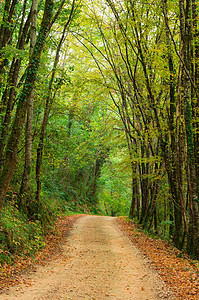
{"x":98,"y":262}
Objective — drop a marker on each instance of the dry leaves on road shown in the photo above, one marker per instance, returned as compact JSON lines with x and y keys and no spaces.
{"x":179,"y":273}
{"x":10,"y":274}
{"x":177,"y":270}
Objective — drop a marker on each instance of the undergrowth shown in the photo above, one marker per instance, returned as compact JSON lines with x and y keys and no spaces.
{"x":22,"y":234}
{"x":25,"y":235}
{"x":18,"y":235}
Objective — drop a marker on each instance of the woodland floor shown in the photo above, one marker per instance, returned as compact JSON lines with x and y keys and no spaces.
{"x":98,"y":261}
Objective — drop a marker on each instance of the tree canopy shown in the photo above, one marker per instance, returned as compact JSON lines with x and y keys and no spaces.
{"x":99,"y":113}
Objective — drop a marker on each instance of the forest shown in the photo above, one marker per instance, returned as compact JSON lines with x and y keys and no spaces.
{"x":99,"y":114}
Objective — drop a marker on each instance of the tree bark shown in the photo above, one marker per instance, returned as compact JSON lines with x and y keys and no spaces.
{"x":22,"y":197}
{"x":185,"y":30}
{"x":49,"y":101}
{"x":5,"y":32}
{"x":12,"y":144}
{"x":9,"y":93}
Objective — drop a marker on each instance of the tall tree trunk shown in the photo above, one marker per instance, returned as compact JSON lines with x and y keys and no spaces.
{"x":5,"y":31}
{"x":134,"y":192}
{"x":9,"y":93}
{"x":22,"y":197}
{"x":49,"y":101}
{"x":185,"y":30}
{"x":12,"y":144}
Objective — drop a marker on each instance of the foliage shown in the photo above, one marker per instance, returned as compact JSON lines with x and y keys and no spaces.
{"x":10,"y":273}
{"x":115,"y":116}
{"x":18,"y":235}
{"x":114,"y":186}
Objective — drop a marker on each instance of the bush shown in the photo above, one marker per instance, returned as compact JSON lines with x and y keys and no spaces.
{"x":18,"y":235}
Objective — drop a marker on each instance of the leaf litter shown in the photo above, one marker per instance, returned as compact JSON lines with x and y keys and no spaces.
{"x":179,"y":272}
{"x":11,"y":274}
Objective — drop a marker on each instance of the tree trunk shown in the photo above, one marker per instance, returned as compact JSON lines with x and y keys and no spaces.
{"x":12,"y":144}
{"x":5,"y":32}
{"x":186,"y":31}
{"x":134,"y":192}
{"x":22,"y":197}
{"x":9,"y":93}
{"x":49,"y":101}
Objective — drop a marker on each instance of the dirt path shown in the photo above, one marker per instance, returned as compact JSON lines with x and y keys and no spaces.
{"x":98,"y":262}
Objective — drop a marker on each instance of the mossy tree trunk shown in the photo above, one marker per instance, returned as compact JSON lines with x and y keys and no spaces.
{"x":188,"y":26}
{"x":8,"y":97}
{"x":5,"y":30}
{"x":18,"y":122}
{"x":49,"y":101}
{"x":28,"y":133}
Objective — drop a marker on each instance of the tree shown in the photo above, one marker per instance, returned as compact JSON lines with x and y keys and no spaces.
{"x":28,"y":146}
{"x":18,"y":122}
